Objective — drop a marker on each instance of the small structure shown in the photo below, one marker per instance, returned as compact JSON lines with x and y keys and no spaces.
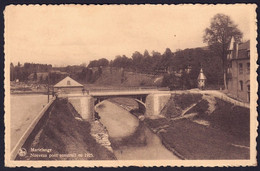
{"x":201,"y":79}
{"x":67,"y":86}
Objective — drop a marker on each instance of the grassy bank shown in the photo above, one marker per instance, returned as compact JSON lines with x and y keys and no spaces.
{"x":67,"y":137}
{"x":195,"y":141}
{"x":210,"y":129}
{"x":178,"y":103}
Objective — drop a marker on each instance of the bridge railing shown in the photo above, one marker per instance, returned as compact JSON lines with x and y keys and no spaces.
{"x":130,"y":89}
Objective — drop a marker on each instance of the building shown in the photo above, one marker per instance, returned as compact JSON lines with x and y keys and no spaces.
{"x":238,"y":71}
{"x":67,"y":86}
{"x":201,"y":80}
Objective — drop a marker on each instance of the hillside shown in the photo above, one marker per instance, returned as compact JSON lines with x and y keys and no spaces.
{"x":198,"y":126}
{"x":119,"y":77}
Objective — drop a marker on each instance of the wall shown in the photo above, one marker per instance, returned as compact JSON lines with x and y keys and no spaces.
{"x":68,"y":90}
{"x":155,"y":103}
{"x":234,"y":85}
{"x":84,"y":105}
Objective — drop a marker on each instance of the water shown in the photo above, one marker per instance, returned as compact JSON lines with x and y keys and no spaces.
{"x":24,"y":109}
{"x":120,"y":124}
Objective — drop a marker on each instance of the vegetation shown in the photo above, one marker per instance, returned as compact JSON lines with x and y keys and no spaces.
{"x":218,"y":37}
{"x":178,"y":103}
{"x":194,"y":141}
{"x":232,"y":119}
{"x":225,"y":136}
{"x":179,"y":69}
{"x":67,"y":136}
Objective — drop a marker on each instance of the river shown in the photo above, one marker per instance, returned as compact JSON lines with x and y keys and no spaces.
{"x":24,"y":109}
{"x":122,"y":124}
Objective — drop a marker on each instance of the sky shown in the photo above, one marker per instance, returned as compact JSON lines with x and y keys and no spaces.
{"x":74,"y":34}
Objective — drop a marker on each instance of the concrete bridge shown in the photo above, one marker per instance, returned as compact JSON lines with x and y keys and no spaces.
{"x":151,"y":102}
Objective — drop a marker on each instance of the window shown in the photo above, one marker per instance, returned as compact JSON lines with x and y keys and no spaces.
{"x":240,"y":68}
{"x":68,"y":82}
{"x":248,"y":68}
{"x":241,"y":85}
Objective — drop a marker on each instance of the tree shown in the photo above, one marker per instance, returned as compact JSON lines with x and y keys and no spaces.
{"x":137,"y":58}
{"x":218,"y":37}
{"x":34,"y":76}
{"x":11,"y":71}
{"x":103,"y":62}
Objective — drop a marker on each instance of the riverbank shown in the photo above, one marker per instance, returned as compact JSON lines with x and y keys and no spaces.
{"x":67,"y":136}
{"x":196,"y":126}
{"x":208,"y":129}
{"x":131,"y":141}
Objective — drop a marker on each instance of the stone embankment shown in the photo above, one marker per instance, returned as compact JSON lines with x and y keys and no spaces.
{"x":100,"y":134}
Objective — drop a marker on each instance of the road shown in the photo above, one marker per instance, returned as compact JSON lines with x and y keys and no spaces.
{"x":24,"y":109}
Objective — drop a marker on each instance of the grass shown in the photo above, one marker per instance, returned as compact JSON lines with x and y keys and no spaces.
{"x":232,"y":119}
{"x":155,"y":124}
{"x":229,"y":126}
{"x":127,"y":79}
{"x":194,"y":141}
{"x":185,"y":100}
{"x":65,"y":135}
{"x":178,"y":103}
{"x":200,"y":108}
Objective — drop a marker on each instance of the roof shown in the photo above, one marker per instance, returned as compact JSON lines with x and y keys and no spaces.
{"x":243,"y":50}
{"x":68,"y":82}
{"x":245,"y":45}
{"x":201,"y":75}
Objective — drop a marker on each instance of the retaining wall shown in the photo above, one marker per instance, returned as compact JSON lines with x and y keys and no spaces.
{"x":84,"y":105}
{"x":155,"y":103}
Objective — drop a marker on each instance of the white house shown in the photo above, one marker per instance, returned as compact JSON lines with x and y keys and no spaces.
{"x":67,"y":86}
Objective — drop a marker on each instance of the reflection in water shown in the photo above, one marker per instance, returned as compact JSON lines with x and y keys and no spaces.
{"x":124,"y":123}
{"x":153,"y":150}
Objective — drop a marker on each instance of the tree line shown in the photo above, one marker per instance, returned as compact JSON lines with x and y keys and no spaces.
{"x":172,"y":65}
{"x":22,"y":72}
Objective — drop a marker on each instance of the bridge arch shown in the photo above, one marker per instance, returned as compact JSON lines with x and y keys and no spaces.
{"x":139,"y":99}
{"x":141,"y":106}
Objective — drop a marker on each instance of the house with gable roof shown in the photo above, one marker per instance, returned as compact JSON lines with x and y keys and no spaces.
{"x":67,"y":86}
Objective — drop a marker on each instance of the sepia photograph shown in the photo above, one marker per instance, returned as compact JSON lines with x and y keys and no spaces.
{"x":130,"y":85}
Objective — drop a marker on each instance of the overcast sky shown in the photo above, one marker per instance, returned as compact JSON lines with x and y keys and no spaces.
{"x":73,"y":34}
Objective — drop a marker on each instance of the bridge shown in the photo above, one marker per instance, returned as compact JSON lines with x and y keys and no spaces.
{"x":150,"y":101}
{"x":153,"y":100}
